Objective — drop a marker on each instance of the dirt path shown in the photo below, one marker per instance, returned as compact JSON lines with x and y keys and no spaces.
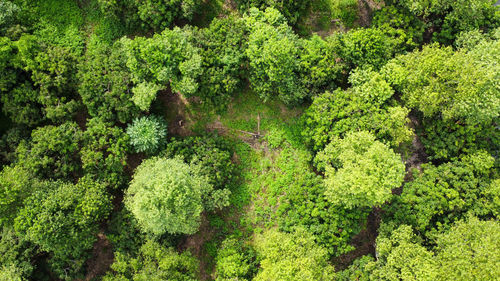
{"x":102,"y":258}
{"x":364,"y":242}
{"x":195,"y":243}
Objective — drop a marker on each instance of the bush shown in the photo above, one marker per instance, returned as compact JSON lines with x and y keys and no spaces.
{"x":345,"y":10}
{"x":211,"y":153}
{"x":147,"y":134}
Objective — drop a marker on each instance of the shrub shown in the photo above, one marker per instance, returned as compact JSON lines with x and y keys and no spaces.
{"x":147,"y":134}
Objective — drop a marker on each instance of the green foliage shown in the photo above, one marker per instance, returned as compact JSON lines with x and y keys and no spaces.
{"x":211,"y":152}
{"x":62,"y":219}
{"x":366,"y":106}
{"x":360,"y":171}
{"x":304,"y":204}
{"x":292,"y":10}
{"x":457,"y":93}
{"x":165,"y":59}
{"x":52,"y":61}
{"x":469,"y":251}
{"x":124,"y":232}
{"x":9,"y":15}
{"x":402,"y":257}
{"x":449,"y":139}
{"x":154,"y":262}
{"x":52,"y":152}
{"x":19,"y":99}
{"x":14,"y":188}
{"x":15,"y":256}
{"x":161,"y":14}
{"x":455,"y":84}
{"x":104,"y":82}
{"x":446,"y":193}
{"x":452,"y":17}
{"x":104,"y":152}
{"x":405,"y":26}
{"x":223,"y":46}
{"x":291,"y":256}
{"x":235,"y":261}
{"x":273,"y":52}
{"x":365,"y":47}
{"x":320,"y":65}
{"x":166,"y":195}
{"x":345,"y":10}
{"x":147,"y":134}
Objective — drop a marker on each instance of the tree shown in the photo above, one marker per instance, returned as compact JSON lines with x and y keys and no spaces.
{"x":365,"y":47}
{"x":452,"y":17}
{"x":360,"y":171}
{"x":402,"y":257}
{"x":300,"y":201}
{"x":222,"y":46}
{"x":52,"y":63}
{"x":211,"y":153}
{"x":147,"y":134}
{"x":160,"y":14}
{"x":104,"y":82}
{"x":469,"y":251}
{"x":368,"y":105}
{"x":273,"y":52}
{"x":320,"y":65}
{"x":443,"y":194}
{"x":235,"y":261}
{"x":104,"y":152}
{"x":154,"y":262}
{"x":457,"y":94}
{"x":292,"y":10}
{"x":291,"y":256}
{"x":165,"y":59}
{"x":15,"y":256}
{"x":14,"y":188}
{"x":166,"y":195}
{"x":62,"y":219}
{"x":19,"y":98}
{"x":52,"y":152}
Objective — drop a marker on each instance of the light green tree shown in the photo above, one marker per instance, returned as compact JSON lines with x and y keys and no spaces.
{"x":360,"y":171}
{"x":291,"y":256}
{"x":166,"y":196}
{"x":469,"y":251}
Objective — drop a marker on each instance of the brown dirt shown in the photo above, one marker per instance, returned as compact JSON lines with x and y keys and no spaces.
{"x":102,"y":258}
{"x":194,"y":244}
{"x":365,"y":11}
{"x":418,"y":155}
{"x":81,"y":119}
{"x":177,"y":115}
{"x":133,"y":160}
{"x":364,"y":242}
